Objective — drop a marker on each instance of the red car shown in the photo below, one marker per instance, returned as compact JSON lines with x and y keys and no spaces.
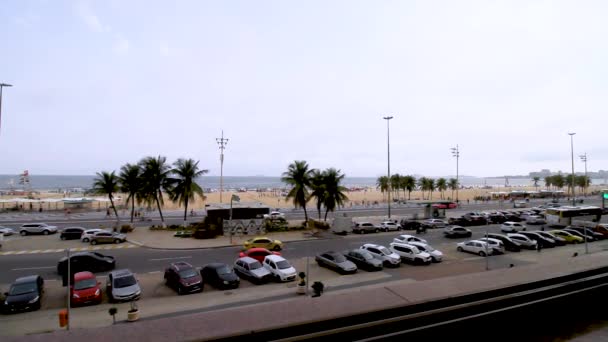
{"x":85,"y":289}
{"x":257,"y":253}
{"x":450,"y":205}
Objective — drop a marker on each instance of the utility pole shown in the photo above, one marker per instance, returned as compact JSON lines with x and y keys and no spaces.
{"x":572,"y":179}
{"x":69,"y":288}
{"x":456,"y":153}
{"x":584,"y":159}
{"x":388,"y":147}
{"x":222,"y":142}
{"x":2,"y":85}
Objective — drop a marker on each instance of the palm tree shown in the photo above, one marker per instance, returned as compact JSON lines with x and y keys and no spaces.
{"x":382,"y":183}
{"x":334,"y":192}
{"x":571,"y":183}
{"x":184,"y":186}
{"x":536,"y":180}
{"x":395,"y":181}
{"x":453,"y":185}
{"x":558,"y":181}
{"x":317,"y":184}
{"x":548,"y":181}
{"x":430,"y":187}
{"x":298,"y":176}
{"x":107,"y":183}
{"x":130,"y":184}
{"x":410,"y":185}
{"x":442,"y":185}
{"x":422,"y":184}
{"x":155,"y":178}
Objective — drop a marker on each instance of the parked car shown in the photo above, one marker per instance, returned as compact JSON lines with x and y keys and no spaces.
{"x":382,"y":253}
{"x":460,"y":221}
{"x":107,"y":237}
{"x":448,"y":205}
{"x":497,"y":246}
{"x":280,"y":268}
{"x":476,"y":219}
{"x":220,"y":276}
{"x":475,"y":246}
{"x":540,"y":240}
{"x":183,"y":277}
{"x":87,"y":234}
{"x":568,"y":237}
{"x":6,"y":231}
{"x":71,"y":233}
{"x":535,"y":219}
{"x":274,"y":215}
{"x":409,"y":224}
{"x":85,"y":261}
{"x":410,"y":253}
{"x":457,"y":232}
{"x":263,"y":242}
{"x":497,"y":218}
{"x":251,"y":269}
{"x":389,"y":225}
{"x":557,"y":240}
{"x":122,"y":286}
{"x":436,"y":255}
{"x":364,"y":260}
{"x":24,"y":294}
{"x":579,"y":234}
{"x":601,"y":228}
{"x":510,"y":244}
{"x":365,"y":227}
{"x":589,"y":232}
{"x":37,"y":228}
{"x":512,"y":227}
{"x":336,"y":262}
{"x":520,"y":204}
{"x":85,"y":289}
{"x":434,"y":223}
{"x":257,"y":253}
{"x":405,"y":238}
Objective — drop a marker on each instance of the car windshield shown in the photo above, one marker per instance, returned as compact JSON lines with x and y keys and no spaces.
{"x":22,"y":289}
{"x":124,"y":282}
{"x":224,"y":270}
{"x":255,"y":265}
{"x":339,"y":258}
{"x":85,"y":284}
{"x":283,"y":264}
{"x":384,"y":251}
{"x":427,"y":248}
{"x":188,"y":273}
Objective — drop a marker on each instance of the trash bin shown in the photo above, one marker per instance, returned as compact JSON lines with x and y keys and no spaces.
{"x":63,"y":318}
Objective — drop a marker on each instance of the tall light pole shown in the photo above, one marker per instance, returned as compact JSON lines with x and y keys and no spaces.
{"x":584,"y":159}
{"x":572,"y":179}
{"x":456,"y":153}
{"x":2,"y":85}
{"x":388,"y":148}
{"x":222,"y":142}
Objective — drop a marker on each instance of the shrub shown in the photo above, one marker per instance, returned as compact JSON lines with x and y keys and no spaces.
{"x":126,"y":228}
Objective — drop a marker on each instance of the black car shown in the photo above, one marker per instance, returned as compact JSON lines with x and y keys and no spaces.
{"x":364,"y":259}
{"x":512,"y":218}
{"x":409,"y":225}
{"x":497,"y":218}
{"x":510,"y":245}
{"x":220,"y":276}
{"x":25,"y":294}
{"x":590,"y":232}
{"x":457,"y":232}
{"x":459,"y":221}
{"x":71,"y":233}
{"x":541,"y":240}
{"x":184,"y":278}
{"x":85,"y":261}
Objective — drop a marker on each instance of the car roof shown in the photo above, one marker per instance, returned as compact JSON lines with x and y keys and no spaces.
{"x":406,"y":235}
{"x":275,"y":258}
{"x":371,"y":245}
{"x":215,"y":265}
{"x":401,"y":244}
{"x":248,"y":260}
{"x":83,"y":275}
{"x":181,"y":265}
{"x":258,"y":249}
{"x":260,"y":237}
{"x":26,"y":279}
{"x":476,"y":241}
{"x":121,"y":273}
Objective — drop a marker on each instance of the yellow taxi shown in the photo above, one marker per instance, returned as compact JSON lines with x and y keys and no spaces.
{"x":263,"y":242}
{"x":570,"y":238}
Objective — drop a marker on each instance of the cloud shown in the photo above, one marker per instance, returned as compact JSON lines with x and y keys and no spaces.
{"x":164,"y":49}
{"x":121,"y":46}
{"x":85,"y":13}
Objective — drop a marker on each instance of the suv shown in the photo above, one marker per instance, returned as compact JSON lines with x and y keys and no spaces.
{"x":388,"y":257}
{"x":434,"y":223}
{"x":71,"y":233}
{"x":183,"y":277}
{"x":107,"y":237}
{"x":37,"y":228}
{"x":280,"y":268}
{"x":457,"y":232}
{"x":365,"y":227}
{"x":389,"y":225}
{"x":121,"y":286}
{"x":410,"y":253}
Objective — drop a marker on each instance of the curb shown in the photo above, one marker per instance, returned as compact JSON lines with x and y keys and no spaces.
{"x":213,"y":247}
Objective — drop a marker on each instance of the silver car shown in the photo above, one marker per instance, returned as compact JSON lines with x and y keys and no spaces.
{"x":380,"y":252}
{"x":248,"y":267}
{"x":37,"y":228}
{"x":336,"y":261}
{"x":107,"y":237}
{"x":122,"y":286}
{"x":6,"y":231}
{"x":523,"y":240}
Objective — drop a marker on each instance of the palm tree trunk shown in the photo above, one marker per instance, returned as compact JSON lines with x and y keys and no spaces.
{"x":185,"y":210}
{"x":115,"y":212}
{"x":162,"y":219}
{"x":452,"y":194}
{"x":409,"y":195}
{"x":305,"y":214}
{"x":326,"y":211}
{"x":132,"y":207}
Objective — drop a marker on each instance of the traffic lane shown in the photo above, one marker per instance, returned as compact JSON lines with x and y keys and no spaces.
{"x":92,"y":223}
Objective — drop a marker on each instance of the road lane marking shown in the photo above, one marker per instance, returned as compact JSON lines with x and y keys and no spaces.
{"x":32,"y":268}
{"x":21,"y":252}
{"x":161,"y":259}
{"x":154,"y":272}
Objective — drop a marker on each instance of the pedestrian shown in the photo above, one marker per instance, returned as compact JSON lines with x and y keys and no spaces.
{"x":542,"y":228}
{"x":539,"y":246}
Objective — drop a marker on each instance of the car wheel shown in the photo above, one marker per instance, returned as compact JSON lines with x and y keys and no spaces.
{"x":459,"y":249}
{"x":85,"y":240}
{"x":377,"y":230}
{"x":180,"y":290}
{"x":93,"y":242}
{"x":23,"y":233}
{"x":469,"y":234}
{"x":62,"y":237}
{"x":117,"y":241}
{"x":46,"y":232}
{"x":482,"y":253}
{"x":276,"y":248}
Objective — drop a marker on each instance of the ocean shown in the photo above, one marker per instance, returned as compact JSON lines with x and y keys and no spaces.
{"x":61,"y":183}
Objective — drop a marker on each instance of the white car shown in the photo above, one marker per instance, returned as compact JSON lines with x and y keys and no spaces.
{"x":280,"y":268}
{"x":497,"y":246}
{"x":274,"y":215}
{"x":410,"y":253}
{"x":475,"y":246}
{"x":436,"y":255}
{"x":512,"y":227}
{"x":88,"y":234}
{"x":434,"y":223}
{"x":380,"y":252}
{"x":6,"y":231}
{"x":405,"y":238}
{"x":389,"y":225}
{"x":523,"y":240}
{"x":535,"y":219}
{"x":37,"y":228}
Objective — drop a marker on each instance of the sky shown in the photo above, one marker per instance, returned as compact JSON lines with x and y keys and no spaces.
{"x":97,"y":84}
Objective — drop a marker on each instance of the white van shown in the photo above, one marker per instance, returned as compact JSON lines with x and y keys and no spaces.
{"x":342,"y":225}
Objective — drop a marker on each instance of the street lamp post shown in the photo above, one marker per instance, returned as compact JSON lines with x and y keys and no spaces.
{"x":388,"y":147}
{"x":69,"y":288}
{"x":222,"y":142}
{"x":236,"y":199}
{"x":2,"y":85}
{"x":584,"y":159}
{"x":456,"y":153}
{"x":572,"y":176}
